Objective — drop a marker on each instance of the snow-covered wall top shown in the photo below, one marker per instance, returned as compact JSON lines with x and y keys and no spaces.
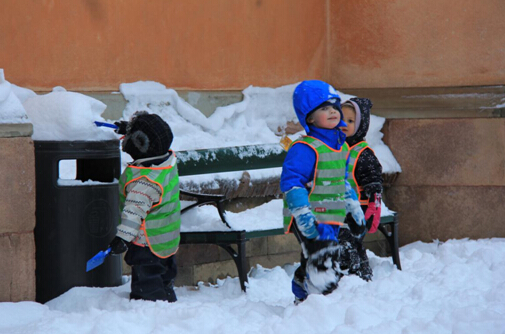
{"x":258,"y":119}
{"x":66,"y":116}
{"x":11,"y":109}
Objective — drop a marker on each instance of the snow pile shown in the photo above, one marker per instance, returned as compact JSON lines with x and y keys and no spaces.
{"x":11,"y":109}
{"x":258,"y":119}
{"x":255,"y":120}
{"x":451,"y":287}
{"x":66,"y":116}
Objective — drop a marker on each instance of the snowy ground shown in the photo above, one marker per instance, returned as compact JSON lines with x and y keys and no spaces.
{"x":452,"y":287}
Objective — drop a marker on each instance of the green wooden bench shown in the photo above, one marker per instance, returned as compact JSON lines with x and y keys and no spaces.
{"x":243,"y":158}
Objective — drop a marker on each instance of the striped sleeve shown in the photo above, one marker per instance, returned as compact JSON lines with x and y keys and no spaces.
{"x":141,"y":195}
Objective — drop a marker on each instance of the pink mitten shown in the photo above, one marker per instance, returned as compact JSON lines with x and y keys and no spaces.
{"x":374,"y":211}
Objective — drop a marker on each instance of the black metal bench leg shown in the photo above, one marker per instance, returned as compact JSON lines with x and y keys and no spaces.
{"x":392,"y":238}
{"x":240,"y":261}
{"x":394,"y":246}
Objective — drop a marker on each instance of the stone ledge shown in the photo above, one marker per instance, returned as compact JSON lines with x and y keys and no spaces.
{"x":9,"y":130}
{"x":210,"y":272}
{"x":274,"y":260}
{"x":378,"y":247}
{"x":17,"y":205}
{"x":205,"y":101}
{"x":435,"y":102}
{"x":416,"y":102}
{"x":185,"y":276}
{"x":257,"y":246}
{"x":430,"y":213}
{"x":190,"y":254}
{"x":278,"y":244}
{"x":434,"y":152}
{"x":17,"y":277}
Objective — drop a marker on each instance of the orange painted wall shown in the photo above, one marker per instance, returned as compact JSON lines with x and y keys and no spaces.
{"x":190,"y":44}
{"x":417,"y":43}
{"x":91,"y":45}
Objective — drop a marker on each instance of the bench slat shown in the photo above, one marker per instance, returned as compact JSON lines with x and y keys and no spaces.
{"x":229,"y":159}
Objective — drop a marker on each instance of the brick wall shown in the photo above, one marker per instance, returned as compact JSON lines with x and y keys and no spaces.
{"x":17,"y":213}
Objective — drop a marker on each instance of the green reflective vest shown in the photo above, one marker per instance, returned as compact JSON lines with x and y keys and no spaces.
{"x":327,"y":192}
{"x":354,"y":153}
{"x":162,"y":223}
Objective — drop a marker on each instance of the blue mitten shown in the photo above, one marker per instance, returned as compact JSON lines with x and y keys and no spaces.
{"x":328,"y":232}
{"x":353,"y":207}
{"x":298,"y":203}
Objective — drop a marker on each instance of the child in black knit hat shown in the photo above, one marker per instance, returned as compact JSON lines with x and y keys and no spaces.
{"x":150,"y":209}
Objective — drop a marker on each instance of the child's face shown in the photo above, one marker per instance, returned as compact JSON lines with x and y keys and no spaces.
{"x":326,"y":117}
{"x":350,"y":119}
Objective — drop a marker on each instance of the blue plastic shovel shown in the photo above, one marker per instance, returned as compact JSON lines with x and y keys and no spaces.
{"x":97,"y":260}
{"x":107,"y":125}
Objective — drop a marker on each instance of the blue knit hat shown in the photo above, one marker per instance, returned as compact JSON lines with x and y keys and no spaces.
{"x":310,"y":95}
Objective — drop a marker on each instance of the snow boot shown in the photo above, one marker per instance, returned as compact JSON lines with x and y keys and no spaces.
{"x":298,"y":285}
{"x":323,"y":266}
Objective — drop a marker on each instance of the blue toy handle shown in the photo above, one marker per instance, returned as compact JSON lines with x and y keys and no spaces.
{"x":97,"y":260}
{"x":107,"y":125}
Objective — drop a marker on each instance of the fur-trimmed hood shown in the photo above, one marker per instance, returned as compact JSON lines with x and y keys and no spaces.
{"x":362,"y":107}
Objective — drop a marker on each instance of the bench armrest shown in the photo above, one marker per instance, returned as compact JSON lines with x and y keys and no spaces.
{"x":201,"y":199}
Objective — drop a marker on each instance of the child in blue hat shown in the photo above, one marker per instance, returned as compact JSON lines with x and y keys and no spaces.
{"x":318,"y":200}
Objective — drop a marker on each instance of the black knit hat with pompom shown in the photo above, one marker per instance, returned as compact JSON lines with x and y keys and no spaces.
{"x":147,"y":135}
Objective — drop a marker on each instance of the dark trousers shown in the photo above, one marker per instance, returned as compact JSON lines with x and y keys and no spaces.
{"x":356,"y":259}
{"x":152,"y":277}
{"x":352,"y":257}
{"x":300,"y":274}
{"x":319,"y":261}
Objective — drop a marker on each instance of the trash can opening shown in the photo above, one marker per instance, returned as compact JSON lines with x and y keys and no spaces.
{"x":82,"y":170}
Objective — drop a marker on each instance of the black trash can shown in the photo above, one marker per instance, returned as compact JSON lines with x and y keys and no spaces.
{"x":76,"y":216}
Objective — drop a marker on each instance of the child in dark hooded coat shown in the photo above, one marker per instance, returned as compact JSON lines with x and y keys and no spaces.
{"x":364,"y":172}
